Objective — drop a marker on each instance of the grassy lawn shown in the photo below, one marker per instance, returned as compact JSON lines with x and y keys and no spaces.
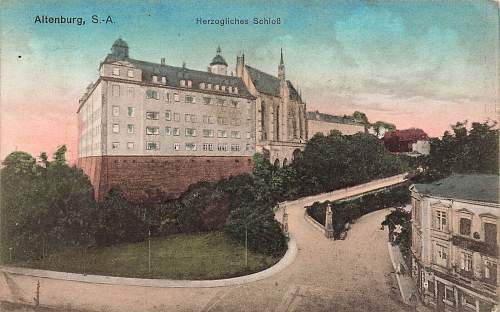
{"x":183,"y":256}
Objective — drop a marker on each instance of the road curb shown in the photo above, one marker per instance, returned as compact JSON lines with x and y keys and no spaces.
{"x":284,"y":262}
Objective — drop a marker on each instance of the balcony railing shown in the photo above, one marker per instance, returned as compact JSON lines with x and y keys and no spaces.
{"x":475,"y":245}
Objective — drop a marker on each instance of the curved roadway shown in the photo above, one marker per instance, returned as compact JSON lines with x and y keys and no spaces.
{"x":349,"y":275}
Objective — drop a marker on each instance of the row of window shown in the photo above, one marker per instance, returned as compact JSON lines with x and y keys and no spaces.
{"x":176,"y":117}
{"x":466,"y":263}
{"x":188,"y":146}
{"x":182,"y":82}
{"x":191,"y":132}
{"x":490,"y":229}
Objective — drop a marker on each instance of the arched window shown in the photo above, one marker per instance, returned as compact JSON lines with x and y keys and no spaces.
{"x":263,"y":120}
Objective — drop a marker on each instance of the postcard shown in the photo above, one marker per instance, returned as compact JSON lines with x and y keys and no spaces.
{"x":249,"y":155}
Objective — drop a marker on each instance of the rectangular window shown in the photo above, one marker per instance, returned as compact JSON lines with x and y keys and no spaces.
{"x":441,"y":222}
{"x":187,"y":117}
{"x":465,"y":225}
{"x":469,"y":301}
{"x":208,"y":147}
{"x":155,"y":79}
{"x":193,"y":118}
{"x":465,"y":262}
{"x":116,"y":110}
{"x":235,"y":134}
{"x":116,"y":128}
{"x":190,"y":99}
{"x":217,"y":87}
{"x":190,"y":132}
{"x":442,"y":255}
{"x":152,"y":130}
{"x":182,"y":83}
{"x":177,"y":146}
{"x":249,"y":135}
{"x":176,"y":131}
{"x":152,"y":94}
{"x":130,"y":73}
{"x":164,"y":80}
{"x":168,"y":115}
{"x":115,"y":145}
{"x":130,"y":145}
{"x":189,"y":83}
{"x":234,"y":104}
{"x":449,"y":295}
{"x":131,"y":92}
{"x":235,"y":121}
{"x":209,"y":86}
{"x":222,"y":147}
{"x":490,"y":233}
{"x":167,"y":97}
{"x":116,"y":71}
{"x":208,"y":133}
{"x":248,"y":147}
{"x":211,"y":119}
{"x":176,"y":97}
{"x":131,"y":111}
{"x":190,"y":147}
{"x":205,"y":119}
{"x":116,"y":90}
{"x":221,"y":102}
{"x":177,"y":117}
{"x":222,"y":134}
{"x":152,"y":115}
{"x":152,"y":146}
{"x":130,"y":128}
{"x":168,"y":131}
{"x":235,"y":148}
{"x":207,"y":100}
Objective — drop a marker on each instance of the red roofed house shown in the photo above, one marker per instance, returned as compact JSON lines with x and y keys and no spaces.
{"x":411,"y":140}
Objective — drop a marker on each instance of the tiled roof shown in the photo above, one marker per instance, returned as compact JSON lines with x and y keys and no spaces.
{"x":477,"y":187}
{"x":331,"y":118}
{"x":270,"y":85}
{"x":175,"y":74}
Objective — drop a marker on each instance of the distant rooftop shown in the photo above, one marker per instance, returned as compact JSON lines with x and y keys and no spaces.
{"x":476,"y":187}
{"x":270,"y":85}
{"x":331,"y":118}
{"x":412,"y":134}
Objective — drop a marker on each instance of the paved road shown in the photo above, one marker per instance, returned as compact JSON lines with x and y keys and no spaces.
{"x":349,"y":275}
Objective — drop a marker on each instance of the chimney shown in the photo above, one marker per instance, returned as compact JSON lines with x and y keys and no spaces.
{"x":162,"y":61}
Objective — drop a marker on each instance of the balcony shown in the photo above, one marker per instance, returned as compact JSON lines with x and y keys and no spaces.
{"x":474,"y":245}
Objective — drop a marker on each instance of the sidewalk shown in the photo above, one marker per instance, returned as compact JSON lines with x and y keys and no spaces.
{"x":405,"y":282}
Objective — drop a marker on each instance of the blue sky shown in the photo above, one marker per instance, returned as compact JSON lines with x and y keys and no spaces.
{"x":424,"y":63}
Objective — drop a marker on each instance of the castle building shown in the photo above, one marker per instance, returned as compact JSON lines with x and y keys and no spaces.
{"x":151,"y":128}
{"x":281,"y":123}
{"x":455,"y":242}
{"x":324,"y":123}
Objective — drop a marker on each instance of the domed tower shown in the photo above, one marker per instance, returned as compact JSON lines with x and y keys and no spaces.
{"x":120,"y":48}
{"x":218,"y":65}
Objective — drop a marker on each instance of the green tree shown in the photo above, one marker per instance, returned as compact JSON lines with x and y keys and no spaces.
{"x":360,"y":117}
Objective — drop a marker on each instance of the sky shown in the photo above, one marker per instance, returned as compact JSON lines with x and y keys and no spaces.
{"x":425,"y":64}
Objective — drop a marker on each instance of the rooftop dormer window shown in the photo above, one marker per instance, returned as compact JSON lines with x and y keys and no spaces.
{"x":116,"y":71}
{"x":130,"y":73}
{"x":209,"y":86}
{"x":182,"y":83}
{"x":155,"y":79}
{"x":164,"y":80}
{"x":216,"y":87}
{"x":202,"y":85}
{"x":189,"y":83}
{"x":230,"y":89}
{"x":223,"y":88}
{"x":235,"y":90}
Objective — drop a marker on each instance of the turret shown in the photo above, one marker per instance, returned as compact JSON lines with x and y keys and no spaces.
{"x":120,"y":49}
{"x":218,"y":65}
{"x":240,"y":65}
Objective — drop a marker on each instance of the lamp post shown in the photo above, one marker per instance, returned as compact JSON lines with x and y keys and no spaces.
{"x":284,"y":223}
{"x":149,"y":252}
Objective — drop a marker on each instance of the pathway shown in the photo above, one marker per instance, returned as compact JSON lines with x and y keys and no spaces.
{"x":350,"y":275}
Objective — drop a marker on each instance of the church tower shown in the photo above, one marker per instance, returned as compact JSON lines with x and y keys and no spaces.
{"x":281,"y":68}
{"x":218,"y":65}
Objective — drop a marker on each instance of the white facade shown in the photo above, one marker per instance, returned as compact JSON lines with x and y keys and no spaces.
{"x":123,"y":115}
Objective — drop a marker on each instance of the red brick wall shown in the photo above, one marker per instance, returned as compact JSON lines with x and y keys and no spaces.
{"x":172,"y":175}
